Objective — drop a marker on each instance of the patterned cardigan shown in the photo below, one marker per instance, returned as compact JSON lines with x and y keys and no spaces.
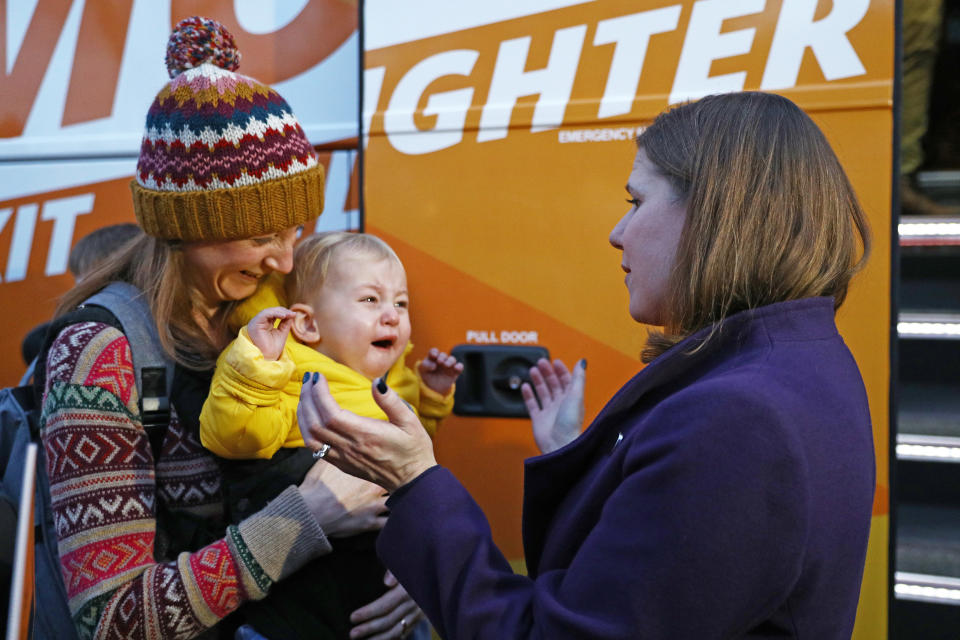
{"x":106,"y":490}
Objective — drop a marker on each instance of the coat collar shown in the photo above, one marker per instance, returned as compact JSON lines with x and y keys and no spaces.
{"x":550,"y":476}
{"x":804,"y":319}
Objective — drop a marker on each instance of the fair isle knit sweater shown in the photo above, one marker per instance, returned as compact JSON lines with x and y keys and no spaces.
{"x":106,"y":488}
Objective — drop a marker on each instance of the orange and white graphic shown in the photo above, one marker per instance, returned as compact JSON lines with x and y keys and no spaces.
{"x":78,"y":79}
{"x":594,"y":63}
{"x":498,"y":140}
{"x":80,"y":75}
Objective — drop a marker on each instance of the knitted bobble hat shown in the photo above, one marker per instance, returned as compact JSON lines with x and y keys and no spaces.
{"x":223,"y":157}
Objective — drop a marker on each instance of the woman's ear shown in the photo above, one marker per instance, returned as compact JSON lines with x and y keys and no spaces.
{"x":304,"y":327}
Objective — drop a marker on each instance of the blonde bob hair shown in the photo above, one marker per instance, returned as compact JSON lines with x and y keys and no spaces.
{"x":771,"y":215}
{"x":314,"y":255}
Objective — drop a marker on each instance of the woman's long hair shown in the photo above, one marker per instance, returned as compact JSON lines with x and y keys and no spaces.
{"x":771,"y":215}
{"x":156,"y":267}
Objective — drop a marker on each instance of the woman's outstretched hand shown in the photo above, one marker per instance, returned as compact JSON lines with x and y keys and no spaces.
{"x":390,"y":454}
{"x":558,"y":416}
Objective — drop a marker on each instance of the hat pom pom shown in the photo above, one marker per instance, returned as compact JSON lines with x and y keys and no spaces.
{"x":197,"y":40}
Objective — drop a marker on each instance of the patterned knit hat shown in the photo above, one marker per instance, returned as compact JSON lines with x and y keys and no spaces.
{"x":223,"y":157}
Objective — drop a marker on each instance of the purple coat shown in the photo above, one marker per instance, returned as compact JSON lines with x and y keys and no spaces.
{"x":724,"y":494}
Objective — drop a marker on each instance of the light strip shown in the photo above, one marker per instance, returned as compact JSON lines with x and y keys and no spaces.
{"x":926,"y":588}
{"x":947,"y":330}
{"x":926,"y":594}
{"x":928,"y":229}
{"x":929,"y":325}
{"x":927,"y":452}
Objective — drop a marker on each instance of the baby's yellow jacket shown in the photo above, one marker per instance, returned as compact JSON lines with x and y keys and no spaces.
{"x":251,"y":410}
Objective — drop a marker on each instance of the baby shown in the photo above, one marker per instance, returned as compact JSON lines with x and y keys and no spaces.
{"x":350,"y":321}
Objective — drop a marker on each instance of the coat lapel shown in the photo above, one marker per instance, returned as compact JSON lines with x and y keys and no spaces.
{"x":548,"y":478}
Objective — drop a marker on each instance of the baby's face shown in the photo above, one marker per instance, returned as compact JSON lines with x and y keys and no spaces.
{"x":361,"y":313}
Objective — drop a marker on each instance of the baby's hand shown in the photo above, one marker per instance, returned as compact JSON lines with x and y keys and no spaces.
{"x":267,"y":337}
{"x":439,"y":371}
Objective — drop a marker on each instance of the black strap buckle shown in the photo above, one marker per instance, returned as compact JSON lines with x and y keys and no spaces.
{"x":154,"y":405}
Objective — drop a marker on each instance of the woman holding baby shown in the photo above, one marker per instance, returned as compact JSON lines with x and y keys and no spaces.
{"x":149,"y":544}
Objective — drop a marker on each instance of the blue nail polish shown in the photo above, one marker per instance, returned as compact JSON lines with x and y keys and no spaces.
{"x":381,"y":385}
{"x":306,"y":377}
{"x":316,"y":377}
{"x":583,"y":363}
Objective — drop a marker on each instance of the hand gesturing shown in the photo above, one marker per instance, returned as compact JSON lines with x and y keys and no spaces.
{"x":558,"y":416}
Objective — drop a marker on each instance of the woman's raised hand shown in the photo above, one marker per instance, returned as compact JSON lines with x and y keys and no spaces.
{"x":387,"y":453}
{"x":558,"y":416}
{"x":343,"y":505}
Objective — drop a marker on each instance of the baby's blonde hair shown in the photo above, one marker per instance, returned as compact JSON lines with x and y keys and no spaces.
{"x":314,"y":255}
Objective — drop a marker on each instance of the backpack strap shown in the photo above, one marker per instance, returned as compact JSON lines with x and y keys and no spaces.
{"x":122,"y":305}
{"x":28,"y":374}
{"x":152,"y":367}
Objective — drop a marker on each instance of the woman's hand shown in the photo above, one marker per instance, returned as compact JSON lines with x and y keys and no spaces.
{"x":390,"y":454}
{"x":558,"y":417}
{"x":392,"y":615}
{"x":343,"y":505}
{"x":267,"y":337}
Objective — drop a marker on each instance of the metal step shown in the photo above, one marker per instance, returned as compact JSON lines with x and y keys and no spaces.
{"x":944,"y":183}
{"x":923,"y":231}
{"x":929,"y":279}
{"x":928,"y":553}
{"x":926,"y":409}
